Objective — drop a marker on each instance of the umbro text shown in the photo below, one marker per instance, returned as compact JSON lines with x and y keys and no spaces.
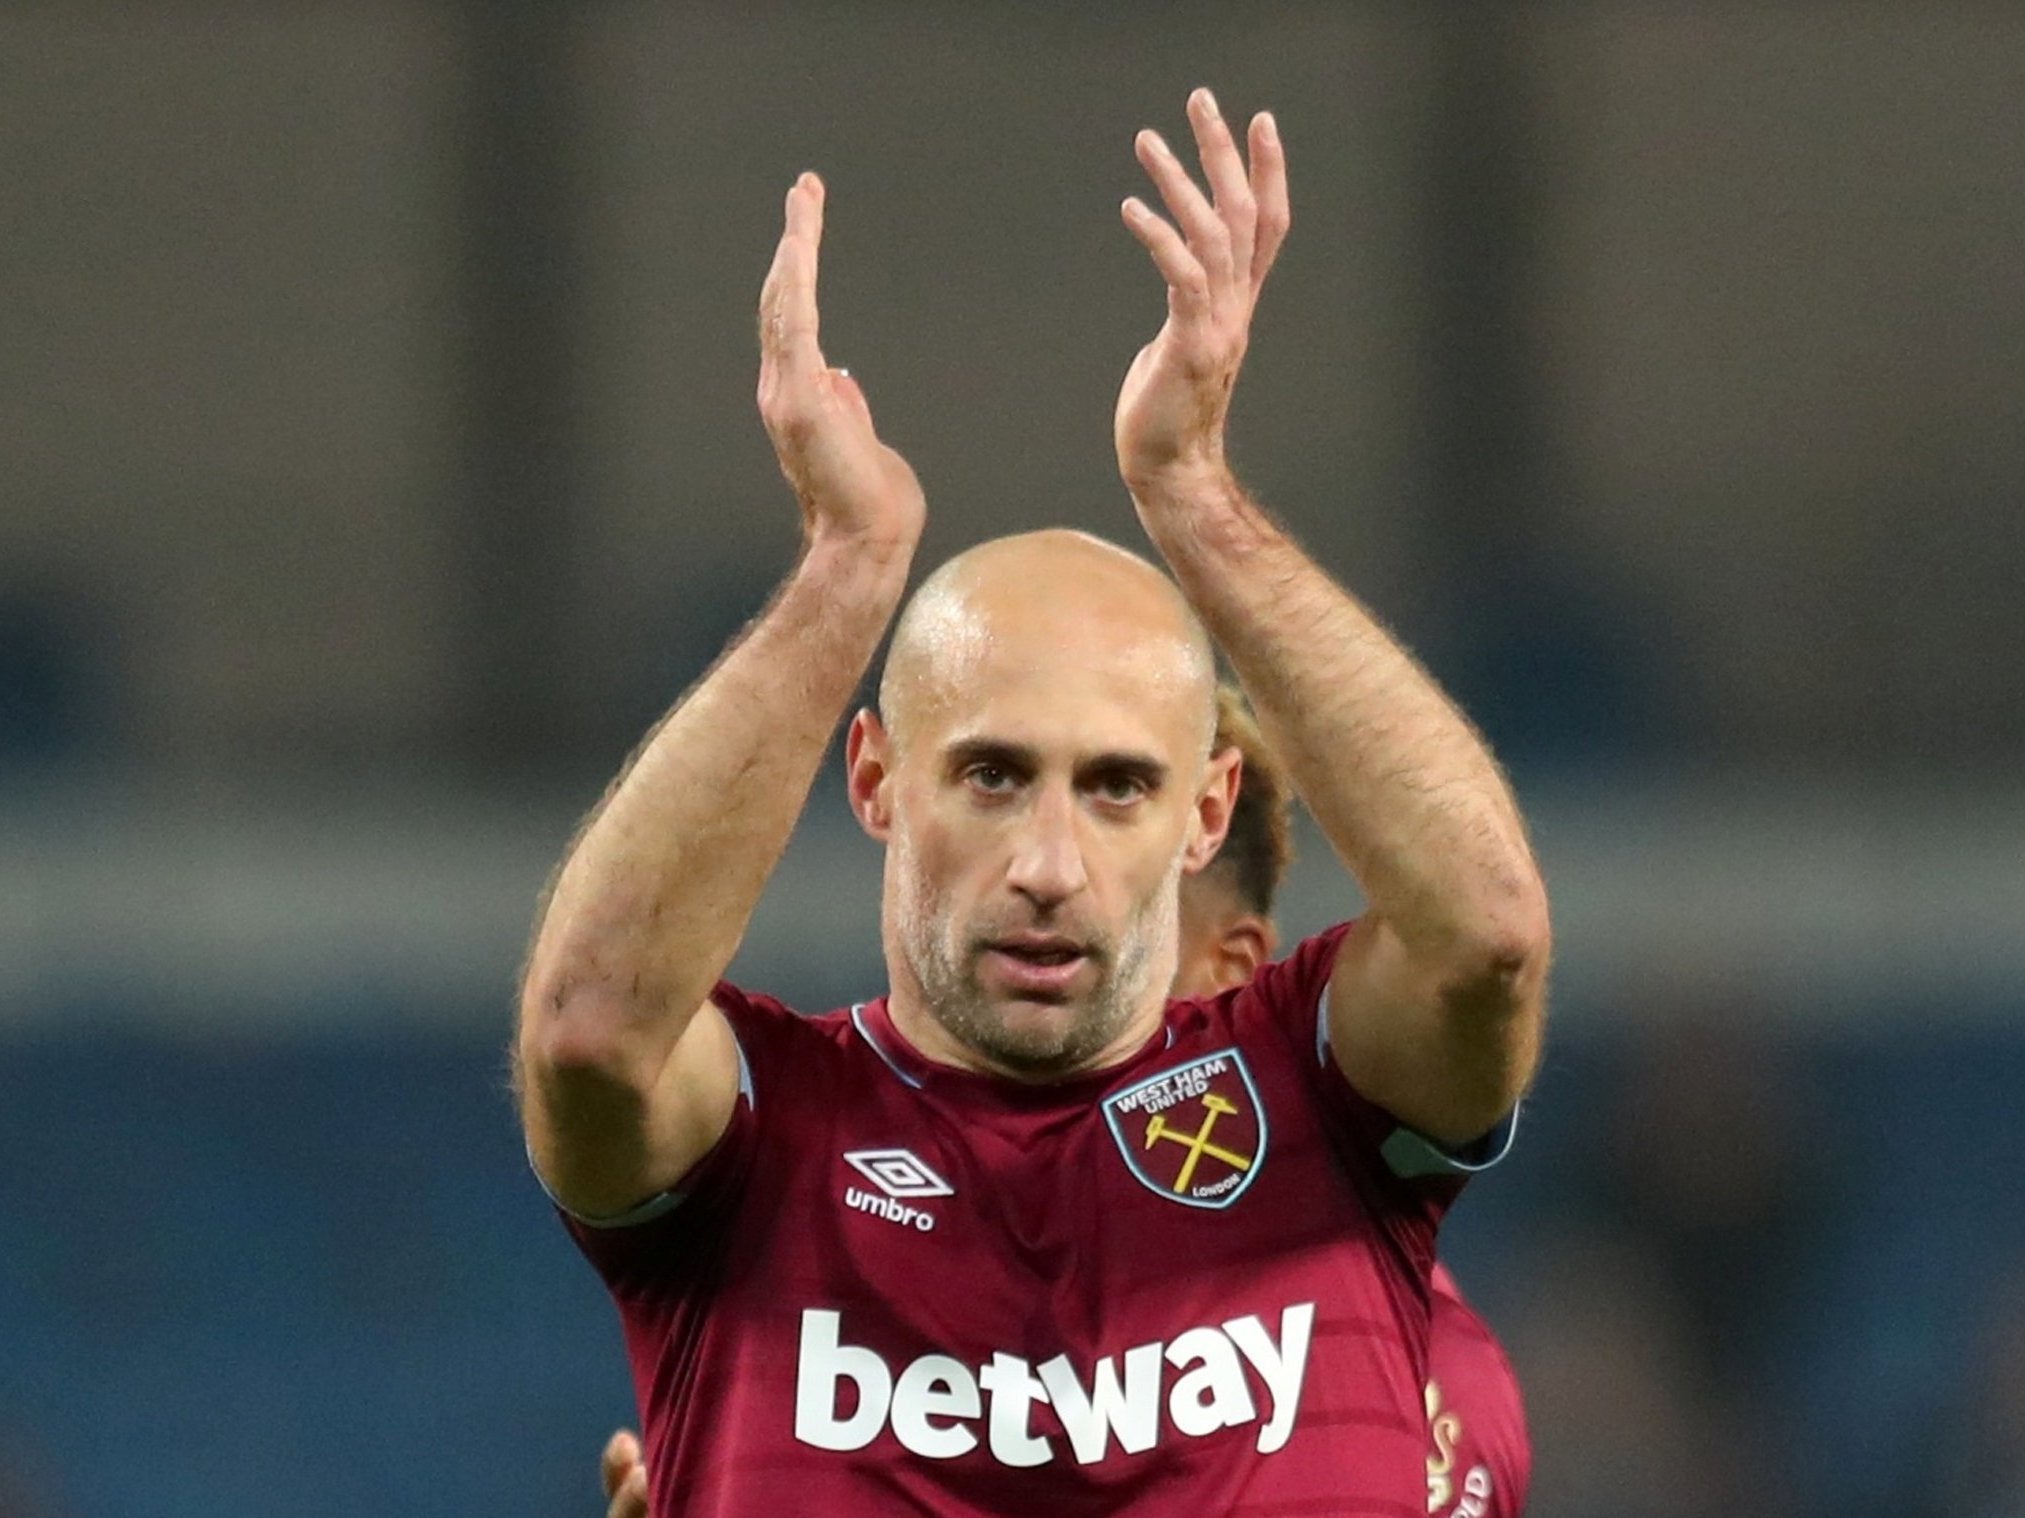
{"x":885,"y":1207}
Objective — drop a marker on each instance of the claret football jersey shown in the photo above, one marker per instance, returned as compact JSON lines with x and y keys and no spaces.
{"x":1194,"y":1283}
{"x":1481,"y":1463}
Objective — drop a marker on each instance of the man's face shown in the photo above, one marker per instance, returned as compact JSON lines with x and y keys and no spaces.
{"x":1041,"y":820}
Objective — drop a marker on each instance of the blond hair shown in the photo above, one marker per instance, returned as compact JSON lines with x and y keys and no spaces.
{"x":1260,"y":843}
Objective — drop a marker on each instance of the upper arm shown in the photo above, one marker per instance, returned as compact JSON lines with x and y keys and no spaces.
{"x":605,"y":1134}
{"x":1445,"y":1044}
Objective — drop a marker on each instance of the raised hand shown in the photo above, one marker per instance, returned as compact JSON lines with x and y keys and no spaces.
{"x":851,"y":485}
{"x":1214,"y":255}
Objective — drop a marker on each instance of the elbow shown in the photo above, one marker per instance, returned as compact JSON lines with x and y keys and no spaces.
{"x":574,"y":1036}
{"x":1495,"y":999}
{"x":1516,"y":955}
{"x":1499,"y":957}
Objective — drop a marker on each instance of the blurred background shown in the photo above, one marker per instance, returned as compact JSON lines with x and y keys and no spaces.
{"x":377,"y":458}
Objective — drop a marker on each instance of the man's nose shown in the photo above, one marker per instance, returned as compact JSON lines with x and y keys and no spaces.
{"x":1047,"y":864}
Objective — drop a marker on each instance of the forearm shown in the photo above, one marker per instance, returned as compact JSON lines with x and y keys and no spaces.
{"x":655,"y":893}
{"x":1435,"y":1012}
{"x":1399,"y":781}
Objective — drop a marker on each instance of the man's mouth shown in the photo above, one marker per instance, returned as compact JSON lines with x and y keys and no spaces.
{"x":1040,"y":948}
{"x":1038,"y":965}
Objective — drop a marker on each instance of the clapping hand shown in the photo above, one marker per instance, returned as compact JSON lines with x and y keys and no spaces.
{"x":1214,"y":255}
{"x":852,"y":487}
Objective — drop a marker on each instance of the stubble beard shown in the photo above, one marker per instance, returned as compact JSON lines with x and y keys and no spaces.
{"x":946,"y":966}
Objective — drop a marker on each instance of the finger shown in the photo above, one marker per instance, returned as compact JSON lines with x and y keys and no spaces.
{"x":1269,"y":193}
{"x":630,"y":1500}
{"x":848,"y":390}
{"x":773,"y":320}
{"x":1225,"y":169}
{"x":805,"y":221}
{"x":773,"y":292}
{"x":790,"y":327}
{"x":1187,"y":284}
{"x":620,"y":1460}
{"x":1192,"y":212}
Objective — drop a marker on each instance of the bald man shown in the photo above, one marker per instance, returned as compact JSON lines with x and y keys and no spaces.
{"x":1480,"y":1460}
{"x":1024,"y":1233}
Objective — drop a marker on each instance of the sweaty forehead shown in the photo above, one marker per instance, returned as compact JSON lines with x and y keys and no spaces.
{"x":1049,"y":623}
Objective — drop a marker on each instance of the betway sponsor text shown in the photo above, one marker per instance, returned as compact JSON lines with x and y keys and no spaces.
{"x":940,"y":1407}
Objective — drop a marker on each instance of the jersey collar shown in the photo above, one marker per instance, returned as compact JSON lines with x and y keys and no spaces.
{"x":873,"y":1021}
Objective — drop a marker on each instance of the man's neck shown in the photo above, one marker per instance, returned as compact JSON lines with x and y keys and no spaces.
{"x":926,"y":1034}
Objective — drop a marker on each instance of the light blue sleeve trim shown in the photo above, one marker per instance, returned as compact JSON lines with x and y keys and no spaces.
{"x":632,"y":1217}
{"x":655,"y":1206}
{"x":1410,"y":1155}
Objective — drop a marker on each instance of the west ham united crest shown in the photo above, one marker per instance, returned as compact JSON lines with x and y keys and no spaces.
{"x":1196,"y":1134}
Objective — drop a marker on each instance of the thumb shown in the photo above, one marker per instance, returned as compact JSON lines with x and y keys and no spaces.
{"x":621,"y":1461}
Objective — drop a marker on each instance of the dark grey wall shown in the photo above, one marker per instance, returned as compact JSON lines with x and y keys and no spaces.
{"x":343,"y":419}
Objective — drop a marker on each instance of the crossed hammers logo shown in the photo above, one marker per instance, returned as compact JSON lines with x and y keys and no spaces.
{"x":1198,"y":1142}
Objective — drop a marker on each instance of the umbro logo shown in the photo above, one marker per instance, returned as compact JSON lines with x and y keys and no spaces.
{"x":898,"y":1172}
{"x":901,"y":1176}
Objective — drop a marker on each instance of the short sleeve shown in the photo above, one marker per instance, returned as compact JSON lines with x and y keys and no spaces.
{"x":670,"y":1237}
{"x":1291,"y":999}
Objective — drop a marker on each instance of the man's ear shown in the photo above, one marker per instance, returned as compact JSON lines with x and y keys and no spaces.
{"x":868,"y":771}
{"x":1214,"y":799}
{"x":1244,"y":945}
